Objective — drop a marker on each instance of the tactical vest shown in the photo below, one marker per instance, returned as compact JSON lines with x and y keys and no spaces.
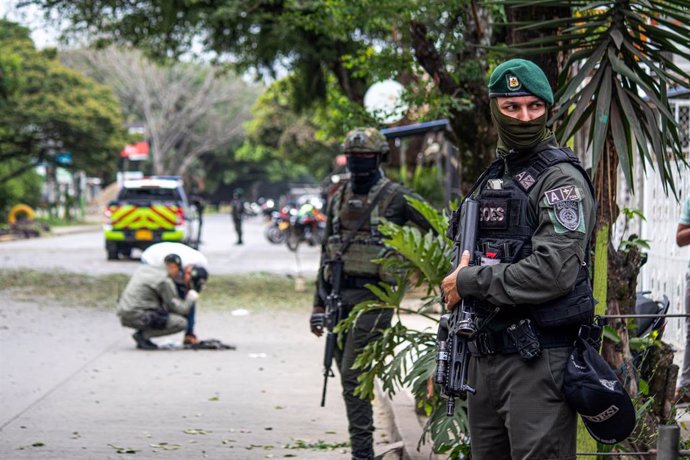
{"x":505,"y":232}
{"x":367,"y":244}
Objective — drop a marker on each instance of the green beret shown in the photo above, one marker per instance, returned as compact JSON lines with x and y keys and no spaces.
{"x":520,"y":77}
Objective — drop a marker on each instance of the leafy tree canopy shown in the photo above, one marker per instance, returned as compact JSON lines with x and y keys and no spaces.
{"x":189,"y":109}
{"x":622,"y":61}
{"x":50,"y":108}
{"x":436,"y":49}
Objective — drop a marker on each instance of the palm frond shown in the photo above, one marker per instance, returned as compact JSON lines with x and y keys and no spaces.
{"x":619,"y":64}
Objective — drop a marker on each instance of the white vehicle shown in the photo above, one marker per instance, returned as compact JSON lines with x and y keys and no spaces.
{"x":148,"y":211}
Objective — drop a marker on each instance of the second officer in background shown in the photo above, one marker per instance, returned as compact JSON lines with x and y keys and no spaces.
{"x":365,"y":149}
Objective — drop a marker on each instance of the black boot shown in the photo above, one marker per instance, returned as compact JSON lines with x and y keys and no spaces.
{"x":142,"y":342}
{"x":363,"y":454}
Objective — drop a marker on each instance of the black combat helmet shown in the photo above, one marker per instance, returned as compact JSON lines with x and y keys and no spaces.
{"x":366,"y":140}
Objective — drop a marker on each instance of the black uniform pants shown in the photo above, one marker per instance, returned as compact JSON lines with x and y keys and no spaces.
{"x":359,"y":413}
{"x":519,"y":411}
{"x":238,"y":228}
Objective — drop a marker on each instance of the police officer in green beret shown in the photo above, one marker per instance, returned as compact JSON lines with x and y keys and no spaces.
{"x":365,"y":149}
{"x":530,"y":282}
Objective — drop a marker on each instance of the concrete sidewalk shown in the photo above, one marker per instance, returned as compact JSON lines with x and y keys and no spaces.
{"x":74,"y":229}
{"x":59,"y":231}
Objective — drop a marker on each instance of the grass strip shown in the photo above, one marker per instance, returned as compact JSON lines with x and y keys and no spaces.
{"x":253,"y":291}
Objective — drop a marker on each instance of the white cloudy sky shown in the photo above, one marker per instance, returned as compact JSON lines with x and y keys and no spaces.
{"x":43,"y":32}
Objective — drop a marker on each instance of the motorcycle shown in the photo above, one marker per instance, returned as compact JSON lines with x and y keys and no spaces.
{"x":647,"y":328}
{"x":646,"y":306}
{"x":277,"y":226}
{"x":306,"y":227}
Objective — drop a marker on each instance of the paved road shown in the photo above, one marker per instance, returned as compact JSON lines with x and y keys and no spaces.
{"x":85,"y":253}
{"x":73,"y":387}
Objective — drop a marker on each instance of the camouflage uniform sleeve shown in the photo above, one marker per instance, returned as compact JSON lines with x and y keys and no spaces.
{"x":170,"y":299}
{"x":565,"y":212}
{"x":401,"y":212}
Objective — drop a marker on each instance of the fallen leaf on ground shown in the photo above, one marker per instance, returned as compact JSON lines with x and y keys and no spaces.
{"x":166,"y":446}
{"x":123,"y":450}
{"x":196,"y":431}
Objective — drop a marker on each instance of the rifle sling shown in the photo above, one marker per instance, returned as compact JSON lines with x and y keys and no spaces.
{"x":365,"y":216}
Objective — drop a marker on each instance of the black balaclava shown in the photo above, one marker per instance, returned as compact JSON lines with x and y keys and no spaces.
{"x":364,"y":172}
{"x":516,"y":134}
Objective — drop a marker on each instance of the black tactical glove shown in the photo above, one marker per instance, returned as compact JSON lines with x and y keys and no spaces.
{"x":317,"y":321}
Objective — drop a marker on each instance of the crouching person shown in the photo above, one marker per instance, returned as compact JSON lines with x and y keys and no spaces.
{"x":150,"y":303}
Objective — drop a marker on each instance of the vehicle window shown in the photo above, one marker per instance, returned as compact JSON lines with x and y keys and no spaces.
{"x":150,"y":194}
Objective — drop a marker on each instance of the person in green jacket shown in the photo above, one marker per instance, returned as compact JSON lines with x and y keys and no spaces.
{"x":529,"y":279}
{"x":150,"y":303}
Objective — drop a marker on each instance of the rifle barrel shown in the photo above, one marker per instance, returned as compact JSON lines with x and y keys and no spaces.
{"x":323,"y":393}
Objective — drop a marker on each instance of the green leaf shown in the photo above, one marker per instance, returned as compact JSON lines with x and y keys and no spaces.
{"x":601,"y":117}
{"x":438,"y":221}
{"x":611,"y":334}
{"x":584,"y":103}
{"x":643,"y":387}
{"x":632,"y":213}
{"x":633,"y":120}
{"x":572,"y":87}
{"x":621,"y":140}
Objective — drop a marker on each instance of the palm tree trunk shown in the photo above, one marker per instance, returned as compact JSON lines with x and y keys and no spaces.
{"x":622,"y":269}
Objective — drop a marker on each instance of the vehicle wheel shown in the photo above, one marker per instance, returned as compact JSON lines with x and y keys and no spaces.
{"x":126,"y":252}
{"x":281,"y":236}
{"x":292,"y":241}
{"x":316,"y":238}
{"x":112,"y":254}
{"x":274,"y":235}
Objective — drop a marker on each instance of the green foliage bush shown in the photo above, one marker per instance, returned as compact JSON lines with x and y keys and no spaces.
{"x":405,"y":357}
{"x":24,"y":189}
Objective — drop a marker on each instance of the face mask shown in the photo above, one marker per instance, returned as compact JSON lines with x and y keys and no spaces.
{"x":364,"y":172}
{"x":361,"y":166}
{"x":516,"y":134}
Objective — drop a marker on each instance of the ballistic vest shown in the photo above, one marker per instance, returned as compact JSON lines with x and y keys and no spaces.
{"x":505,"y":232}
{"x":367,"y":243}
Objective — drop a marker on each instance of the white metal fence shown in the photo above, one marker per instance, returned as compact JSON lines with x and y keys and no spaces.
{"x":665,"y":270}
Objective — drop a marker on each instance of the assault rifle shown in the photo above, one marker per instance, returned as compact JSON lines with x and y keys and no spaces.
{"x":334,"y":313}
{"x":456,"y":329}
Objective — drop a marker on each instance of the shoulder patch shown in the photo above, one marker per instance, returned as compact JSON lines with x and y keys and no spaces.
{"x":525,"y":179}
{"x":560,"y":194}
{"x":565,"y":209}
{"x":568,"y":214}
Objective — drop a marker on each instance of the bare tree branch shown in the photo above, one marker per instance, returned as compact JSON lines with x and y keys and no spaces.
{"x":189,"y":110}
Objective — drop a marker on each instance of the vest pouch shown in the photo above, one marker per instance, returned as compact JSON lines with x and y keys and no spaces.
{"x":358,"y":259}
{"x":576,"y":307}
{"x":333,"y":245}
{"x":503,"y":250}
{"x":571,"y":311}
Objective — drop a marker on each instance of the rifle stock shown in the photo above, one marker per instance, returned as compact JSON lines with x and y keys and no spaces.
{"x":334,"y":313}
